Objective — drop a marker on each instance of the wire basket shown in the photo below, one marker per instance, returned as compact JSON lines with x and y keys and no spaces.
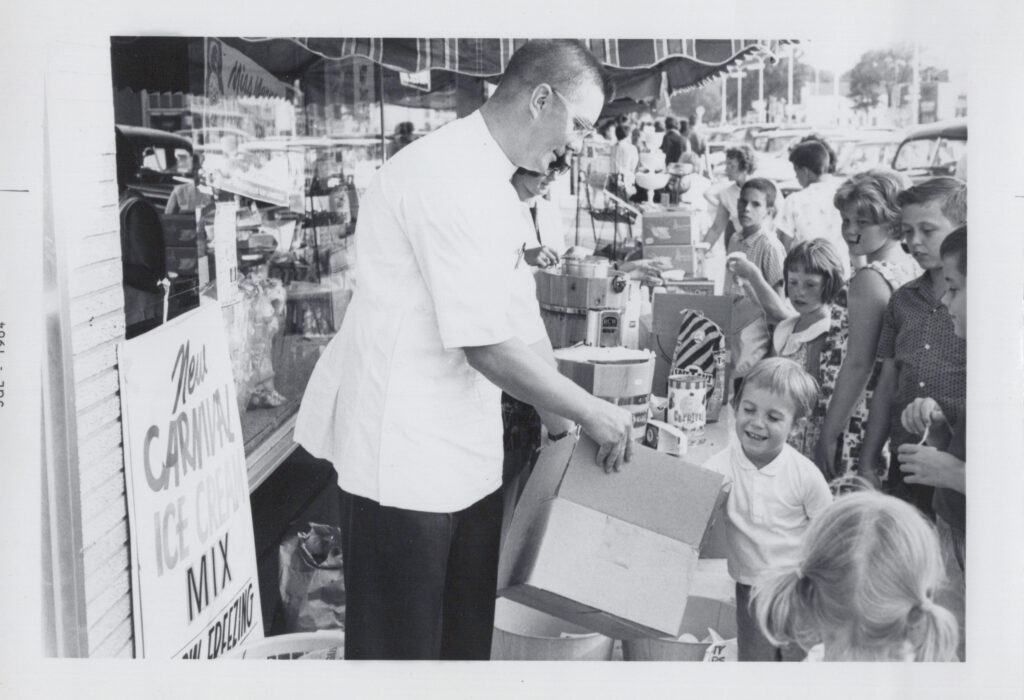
{"x":323,"y":645}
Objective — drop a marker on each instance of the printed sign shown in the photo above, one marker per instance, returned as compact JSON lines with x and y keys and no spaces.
{"x":230,"y":73}
{"x":225,"y":251}
{"x":419,"y":80}
{"x":194,"y":582}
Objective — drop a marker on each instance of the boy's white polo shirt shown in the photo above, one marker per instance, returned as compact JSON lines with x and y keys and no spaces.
{"x":393,"y":402}
{"x":768,"y":509}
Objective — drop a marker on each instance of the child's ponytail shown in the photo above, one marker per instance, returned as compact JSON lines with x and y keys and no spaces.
{"x":933,"y":630}
{"x":781,"y":607}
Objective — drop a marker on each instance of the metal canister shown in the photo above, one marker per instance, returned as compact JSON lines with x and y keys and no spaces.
{"x":604,"y":328}
{"x":717,"y":395}
{"x":686,"y":392}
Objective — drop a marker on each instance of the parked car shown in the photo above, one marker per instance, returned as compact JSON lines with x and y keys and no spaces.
{"x":157,"y":155}
{"x":872,"y":151}
{"x":932,"y":150}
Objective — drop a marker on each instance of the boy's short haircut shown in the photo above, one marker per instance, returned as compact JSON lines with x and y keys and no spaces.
{"x":810,"y":155}
{"x":951,"y":192}
{"x":817,"y":256}
{"x":761,"y":185}
{"x":784,"y":377}
{"x":743,"y":154}
{"x":621,"y":132}
{"x":875,"y":194}
{"x":828,"y":148}
{"x":955,"y":246}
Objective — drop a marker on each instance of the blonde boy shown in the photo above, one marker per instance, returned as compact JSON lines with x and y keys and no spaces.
{"x":776,"y":491}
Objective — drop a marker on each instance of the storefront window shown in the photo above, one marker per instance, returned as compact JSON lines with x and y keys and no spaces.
{"x":277,"y":159}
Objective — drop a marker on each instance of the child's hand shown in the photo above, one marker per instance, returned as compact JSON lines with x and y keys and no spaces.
{"x":743,"y":268}
{"x":541,"y":256}
{"x":920,"y":414}
{"x":931,"y":467}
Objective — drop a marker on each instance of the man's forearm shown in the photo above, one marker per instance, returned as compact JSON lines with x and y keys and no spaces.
{"x":518,"y":371}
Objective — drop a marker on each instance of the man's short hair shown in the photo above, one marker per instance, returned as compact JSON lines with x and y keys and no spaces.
{"x":955,"y":246}
{"x":564,"y":64}
{"x":783,"y":377}
{"x":811,"y":155}
{"x":744,"y":155}
{"x":951,"y":192}
{"x":671,"y":123}
{"x":621,"y":132}
{"x":761,"y":185}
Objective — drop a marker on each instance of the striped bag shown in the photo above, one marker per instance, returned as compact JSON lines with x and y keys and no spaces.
{"x":698,"y":341}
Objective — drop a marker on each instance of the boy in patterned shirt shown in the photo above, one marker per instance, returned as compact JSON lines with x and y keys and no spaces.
{"x":920,"y":352}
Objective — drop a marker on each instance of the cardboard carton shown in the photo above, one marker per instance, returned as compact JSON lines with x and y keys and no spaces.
{"x":669,"y":227}
{"x":663,"y":437}
{"x":681,"y":257}
{"x":613,"y":553}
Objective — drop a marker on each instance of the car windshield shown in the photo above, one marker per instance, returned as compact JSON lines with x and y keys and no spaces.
{"x":855,"y":157}
{"x":774,"y":144}
{"x":166,"y":160}
{"x":915,"y":154}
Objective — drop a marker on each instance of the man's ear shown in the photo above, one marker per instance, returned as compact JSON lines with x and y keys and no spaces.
{"x":540,"y":98}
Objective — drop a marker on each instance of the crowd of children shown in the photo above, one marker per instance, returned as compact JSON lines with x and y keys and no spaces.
{"x":856,"y":382}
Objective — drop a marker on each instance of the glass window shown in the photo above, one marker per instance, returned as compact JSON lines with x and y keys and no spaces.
{"x":915,"y":154}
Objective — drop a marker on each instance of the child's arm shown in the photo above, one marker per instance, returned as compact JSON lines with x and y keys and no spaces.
{"x":768,"y":296}
{"x":817,"y":496}
{"x":879,"y":414}
{"x":924,"y":415}
{"x":868,"y":296}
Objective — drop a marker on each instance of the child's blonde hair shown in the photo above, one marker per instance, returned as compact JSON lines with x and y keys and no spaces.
{"x":871,"y":565}
{"x":875,"y":194}
{"x":784,"y":377}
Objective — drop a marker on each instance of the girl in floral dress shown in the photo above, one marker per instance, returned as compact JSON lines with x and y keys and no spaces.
{"x":870,"y":214}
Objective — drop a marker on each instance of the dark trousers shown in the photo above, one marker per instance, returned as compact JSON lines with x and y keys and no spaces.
{"x":419,"y":585}
{"x":751,"y":643}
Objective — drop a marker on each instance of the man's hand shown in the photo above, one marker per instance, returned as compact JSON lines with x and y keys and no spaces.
{"x":541,"y":256}
{"x":920,"y":414}
{"x":931,"y":467}
{"x":611,"y":427}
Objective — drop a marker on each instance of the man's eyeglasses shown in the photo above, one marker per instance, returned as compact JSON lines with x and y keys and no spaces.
{"x":560,"y":164}
{"x":580,"y":125}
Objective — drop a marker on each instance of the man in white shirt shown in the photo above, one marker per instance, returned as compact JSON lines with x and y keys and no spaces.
{"x":405,"y":400}
{"x":810,"y":212}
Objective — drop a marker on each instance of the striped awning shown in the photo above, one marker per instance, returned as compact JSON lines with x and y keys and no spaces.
{"x":685,"y":62}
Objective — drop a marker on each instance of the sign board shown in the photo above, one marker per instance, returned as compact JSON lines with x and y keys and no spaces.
{"x":419,"y":80}
{"x":195,"y":587}
{"x":229,"y":74}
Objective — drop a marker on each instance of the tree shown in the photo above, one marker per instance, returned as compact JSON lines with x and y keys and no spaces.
{"x":776,"y":82}
{"x":878,"y":72}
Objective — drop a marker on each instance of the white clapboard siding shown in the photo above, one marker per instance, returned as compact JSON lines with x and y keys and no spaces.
{"x":105,"y":301}
{"x":111,"y":628}
{"x":108,"y":547}
{"x":80,"y":117}
{"x":92,"y":362}
{"x":97,"y":416}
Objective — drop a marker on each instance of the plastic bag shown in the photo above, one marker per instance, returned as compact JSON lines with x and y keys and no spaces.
{"x":311,"y":582}
{"x":721,"y":649}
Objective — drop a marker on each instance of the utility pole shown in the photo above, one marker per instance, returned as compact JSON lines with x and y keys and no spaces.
{"x":915,"y":86}
{"x":725,"y":106}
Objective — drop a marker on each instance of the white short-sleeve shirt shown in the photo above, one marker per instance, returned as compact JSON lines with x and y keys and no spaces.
{"x":768,"y":509}
{"x":393,"y":402}
{"x":811,"y":213}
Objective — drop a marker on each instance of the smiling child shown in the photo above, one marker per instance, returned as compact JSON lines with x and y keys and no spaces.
{"x":776,"y":491}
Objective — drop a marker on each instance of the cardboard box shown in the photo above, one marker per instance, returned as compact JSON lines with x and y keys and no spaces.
{"x":666,"y":438}
{"x":681,"y":257}
{"x":613,"y":553}
{"x":669,"y":227}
